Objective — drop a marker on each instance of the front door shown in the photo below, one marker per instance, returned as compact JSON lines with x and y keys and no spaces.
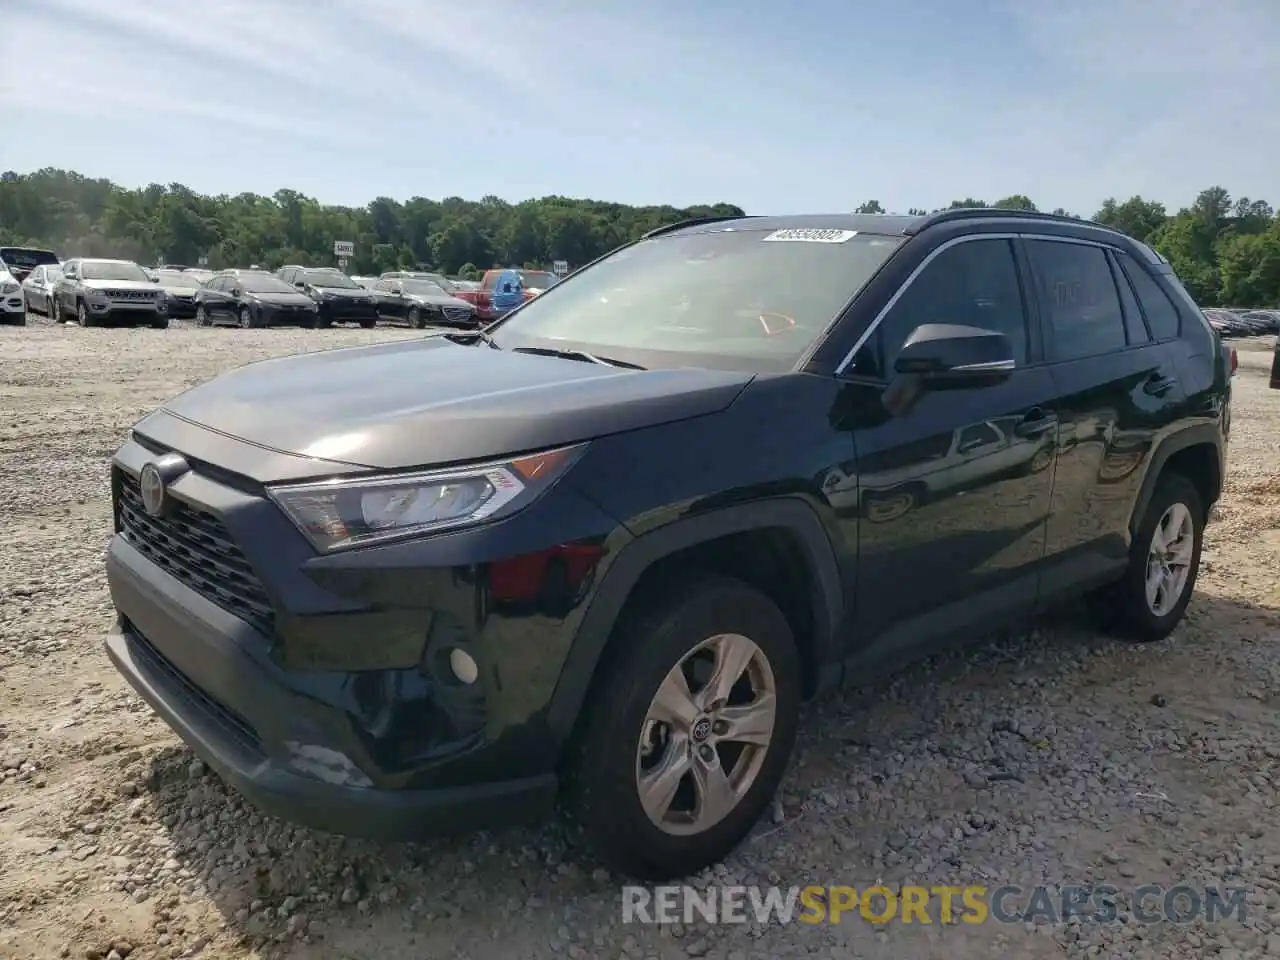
{"x":954,"y":491}
{"x":1116,"y":388}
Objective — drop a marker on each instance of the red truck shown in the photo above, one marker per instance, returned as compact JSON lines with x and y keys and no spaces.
{"x":533,"y":281}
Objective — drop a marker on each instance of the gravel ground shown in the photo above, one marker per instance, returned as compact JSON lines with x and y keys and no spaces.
{"x":1054,"y":756}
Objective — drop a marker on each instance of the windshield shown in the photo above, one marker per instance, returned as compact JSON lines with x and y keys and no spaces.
{"x":112,"y":270}
{"x":425,"y":288}
{"x":536,"y":279}
{"x":330,"y":278}
{"x":26,"y":259}
{"x":176,"y":278}
{"x":721,"y":293}
{"x":264,"y":283}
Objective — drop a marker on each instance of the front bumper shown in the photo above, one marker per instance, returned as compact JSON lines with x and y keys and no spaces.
{"x":342,"y":311}
{"x":319,"y":689}
{"x":13,"y":306}
{"x":181,"y":308}
{"x":178,"y":634}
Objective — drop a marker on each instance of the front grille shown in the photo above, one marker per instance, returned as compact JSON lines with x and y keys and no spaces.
{"x":236,"y":726}
{"x":195,"y":547}
{"x":456,"y":314}
{"x":132,"y":294}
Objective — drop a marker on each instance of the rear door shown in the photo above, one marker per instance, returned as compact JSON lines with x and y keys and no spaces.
{"x":1116,"y":388}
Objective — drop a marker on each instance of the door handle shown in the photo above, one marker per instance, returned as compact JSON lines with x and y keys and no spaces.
{"x":1036,"y":421}
{"x":1158,"y":386}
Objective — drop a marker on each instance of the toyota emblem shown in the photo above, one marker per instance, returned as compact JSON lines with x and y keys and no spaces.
{"x":154,"y":480}
{"x":153,"y":492}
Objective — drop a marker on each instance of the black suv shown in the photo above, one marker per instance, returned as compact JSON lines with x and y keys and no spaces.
{"x":603,"y":549}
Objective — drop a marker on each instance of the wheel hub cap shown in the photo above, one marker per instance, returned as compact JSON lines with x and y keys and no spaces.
{"x":1169,"y":559}
{"x":706,"y":735}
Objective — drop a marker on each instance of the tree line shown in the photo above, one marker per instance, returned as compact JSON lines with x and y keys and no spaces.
{"x":1227,"y":251}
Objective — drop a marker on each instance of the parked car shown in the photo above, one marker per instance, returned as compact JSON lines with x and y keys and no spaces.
{"x":339,"y":298}
{"x":38,"y":287}
{"x":97,"y":291}
{"x":464,"y":284}
{"x":1227,"y":323}
{"x":13,"y":304}
{"x":329,"y":637}
{"x":422,"y":303}
{"x":179,"y":288}
{"x":439,"y":279}
{"x":1275,"y":366}
{"x":532,"y":281}
{"x":20,"y":261}
{"x":252,"y":299}
{"x":1269,"y":320}
{"x":198,"y":274}
{"x":366,"y":282}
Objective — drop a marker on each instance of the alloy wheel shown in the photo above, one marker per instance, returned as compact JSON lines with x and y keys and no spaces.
{"x":706,"y":734}
{"x":1169,"y":559}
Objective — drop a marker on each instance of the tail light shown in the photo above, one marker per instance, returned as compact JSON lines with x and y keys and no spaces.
{"x":1235,"y":360}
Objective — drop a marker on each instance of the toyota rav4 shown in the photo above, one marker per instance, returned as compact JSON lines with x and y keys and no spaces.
{"x":602,"y":550}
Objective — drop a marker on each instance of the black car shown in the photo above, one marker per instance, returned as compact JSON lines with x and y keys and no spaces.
{"x":423,"y":303}
{"x":1269,"y":320}
{"x":603,"y":549}
{"x":250,"y":299}
{"x":339,"y":298}
{"x":179,"y":292}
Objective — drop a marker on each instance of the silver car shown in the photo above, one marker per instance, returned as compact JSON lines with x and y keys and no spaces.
{"x":38,"y":288}
{"x":97,"y":291}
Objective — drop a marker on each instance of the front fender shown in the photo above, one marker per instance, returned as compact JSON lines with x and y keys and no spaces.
{"x":594,"y":625}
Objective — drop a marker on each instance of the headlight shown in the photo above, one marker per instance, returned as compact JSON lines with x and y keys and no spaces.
{"x":92,"y":293}
{"x":342,"y":513}
{"x":9,"y":287}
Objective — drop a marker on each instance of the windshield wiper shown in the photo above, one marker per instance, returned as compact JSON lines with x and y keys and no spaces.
{"x":578,"y":355}
{"x":468,"y":335}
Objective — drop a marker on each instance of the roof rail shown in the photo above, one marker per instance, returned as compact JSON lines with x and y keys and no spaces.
{"x":980,"y":213}
{"x":681,"y":224}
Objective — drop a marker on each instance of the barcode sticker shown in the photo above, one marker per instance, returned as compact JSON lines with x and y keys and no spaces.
{"x":811,"y":235}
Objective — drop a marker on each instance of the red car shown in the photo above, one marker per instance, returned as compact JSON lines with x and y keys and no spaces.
{"x":533,"y":281}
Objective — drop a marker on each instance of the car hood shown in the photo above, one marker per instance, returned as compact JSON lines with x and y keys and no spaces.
{"x":435,"y":300}
{"x":362,"y":293}
{"x":423,"y":402}
{"x":119,"y":285}
{"x":282,"y":298}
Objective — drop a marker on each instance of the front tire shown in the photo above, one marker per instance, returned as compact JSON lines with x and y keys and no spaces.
{"x":1164,"y":561}
{"x":368,"y":323}
{"x":688,"y":731}
{"x":202,"y":318}
{"x":415,"y":319}
{"x":82,"y":315}
{"x":55,"y":311}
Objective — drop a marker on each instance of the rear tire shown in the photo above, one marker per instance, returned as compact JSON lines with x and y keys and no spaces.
{"x":202,"y":318}
{"x":368,"y":323}
{"x":668,"y":648}
{"x":1151,"y":598}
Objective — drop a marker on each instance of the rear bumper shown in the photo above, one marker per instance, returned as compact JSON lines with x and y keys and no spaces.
{"x":206,"y":673}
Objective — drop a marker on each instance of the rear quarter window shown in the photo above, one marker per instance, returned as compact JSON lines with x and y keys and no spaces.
{"x":1162,"y":315}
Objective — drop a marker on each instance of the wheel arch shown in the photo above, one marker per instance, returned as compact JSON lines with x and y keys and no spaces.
{"x":652,"y":558}
{"x":1196,"y":452}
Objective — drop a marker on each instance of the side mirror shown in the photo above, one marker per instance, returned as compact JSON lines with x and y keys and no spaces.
{"x":236,"y":291}
{"x":300,"y":284}
{"x":950,"y":357}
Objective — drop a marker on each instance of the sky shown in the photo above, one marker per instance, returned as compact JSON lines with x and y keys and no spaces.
{"x":798,"y":106}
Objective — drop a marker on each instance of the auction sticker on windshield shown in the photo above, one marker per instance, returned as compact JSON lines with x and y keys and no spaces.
{"x":803,"y":235}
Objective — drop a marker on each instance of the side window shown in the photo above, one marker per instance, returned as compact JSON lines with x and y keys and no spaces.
{"x":1162,"y":315}
{"x":1078,"y":297}
{"x":489,"y":280}
{"x":977,"y":435}
{"x":974,"y":283}
{"x":71,"y":271}
{"x":288,"y":276}
{"x":1134,"y":327}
